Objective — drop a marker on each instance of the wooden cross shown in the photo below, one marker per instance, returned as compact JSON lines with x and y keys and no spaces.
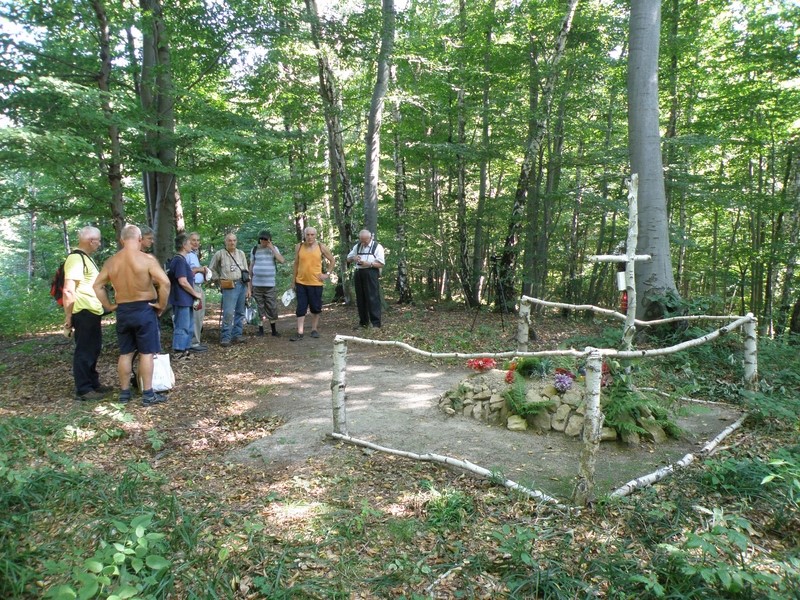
{"x":630,"y":258}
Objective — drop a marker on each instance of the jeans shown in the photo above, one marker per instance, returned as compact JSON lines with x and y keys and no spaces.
{"x":233,"y":312}
{"x":88,"y":343}
{"x":182,"y":328}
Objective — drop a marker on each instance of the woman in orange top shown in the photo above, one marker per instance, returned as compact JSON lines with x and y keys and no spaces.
{"x":309,"y":279}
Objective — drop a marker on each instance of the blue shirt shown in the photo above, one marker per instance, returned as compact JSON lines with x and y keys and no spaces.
{"x":194,"y":263}
{"x":179,"y":267}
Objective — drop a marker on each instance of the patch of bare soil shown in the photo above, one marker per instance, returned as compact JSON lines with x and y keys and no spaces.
{"x":392,"y":401}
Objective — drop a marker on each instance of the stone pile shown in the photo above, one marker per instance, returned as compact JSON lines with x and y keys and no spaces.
{"x":480,"y":396}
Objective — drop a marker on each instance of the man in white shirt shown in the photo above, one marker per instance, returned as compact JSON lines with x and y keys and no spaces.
{"x":368,"y":256}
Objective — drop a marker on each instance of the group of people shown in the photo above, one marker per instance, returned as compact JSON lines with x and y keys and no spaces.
{"x":143,"y":290}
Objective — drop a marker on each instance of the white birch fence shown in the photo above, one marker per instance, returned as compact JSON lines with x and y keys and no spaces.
{"x":584,"y":489}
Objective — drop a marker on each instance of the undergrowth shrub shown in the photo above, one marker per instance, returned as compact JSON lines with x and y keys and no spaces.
{"x":448,"y":509}
{"x":27,"y":309}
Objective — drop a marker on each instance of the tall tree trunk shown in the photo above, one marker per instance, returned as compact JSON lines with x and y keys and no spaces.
{"x":32,"y":247}
{"x":654,"y":279}
{"x":791,"y":187}
{"x":460,"y":142}
{"x":402,"y":285}
{"x":331,"y":103}
{"x":478,"y":244}
{"x":110,"y":165}
{"x":506,"y":295}
{"x":373,"y":141}
{"x":158,"y":101}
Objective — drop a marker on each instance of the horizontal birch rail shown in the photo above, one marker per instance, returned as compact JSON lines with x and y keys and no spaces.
{"x":663,"y":472}
{"x":617,"y":315}
{"x":412,"y":349}
{"x":453,"y":462}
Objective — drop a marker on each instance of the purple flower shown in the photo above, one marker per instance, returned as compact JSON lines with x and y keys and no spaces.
{"x":562,"y":382}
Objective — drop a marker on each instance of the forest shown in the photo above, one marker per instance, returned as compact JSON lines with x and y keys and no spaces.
{"x":490,"y":146}
{"x":482,"y":141}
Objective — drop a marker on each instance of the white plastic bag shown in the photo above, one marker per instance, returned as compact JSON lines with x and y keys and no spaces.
{"x":288,"y":296}
{"x":251,"y":312}
{"x":163,"y":377}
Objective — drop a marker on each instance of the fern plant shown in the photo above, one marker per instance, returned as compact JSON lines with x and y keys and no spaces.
{"x":516,"y":400}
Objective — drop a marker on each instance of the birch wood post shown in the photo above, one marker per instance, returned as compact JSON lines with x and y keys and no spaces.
{"x":584,"y":489}
{"x":523,"y":325}
{"x":629,"y":331}
{"x":750,"y":329}
{"x":338,"y":385}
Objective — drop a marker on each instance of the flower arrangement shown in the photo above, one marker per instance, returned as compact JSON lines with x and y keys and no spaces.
{"x":562,"y":382}
{"x":481,"y":364}
{"x":511,"y":369}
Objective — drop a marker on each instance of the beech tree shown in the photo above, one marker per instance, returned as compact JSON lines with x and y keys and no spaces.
{"x":654,"y":279}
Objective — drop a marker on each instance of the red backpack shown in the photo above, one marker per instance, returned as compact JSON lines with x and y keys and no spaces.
{"x":57,"y":284}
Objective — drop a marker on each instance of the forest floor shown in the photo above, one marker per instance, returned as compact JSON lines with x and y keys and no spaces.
{"x":267,"y":402}
{"x":245,"y":433}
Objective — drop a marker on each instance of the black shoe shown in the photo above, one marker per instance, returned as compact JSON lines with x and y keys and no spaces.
{"x":153,"y":400}
{"x":224,"y":344}
{"x":260,"y":332}
{"x":297,"y":337}
{"x":276,"y":334}
{"x":198,"y":348}
{"x":239,"y":340}
{"x":314,"y":333}
{"x":124,"y":399}
{"x":91,"y":396}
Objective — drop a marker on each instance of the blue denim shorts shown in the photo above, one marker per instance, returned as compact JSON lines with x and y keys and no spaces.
{"x":137,"y":328}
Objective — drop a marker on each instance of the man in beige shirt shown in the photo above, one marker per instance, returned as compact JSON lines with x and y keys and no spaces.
{"x":135,"y":277}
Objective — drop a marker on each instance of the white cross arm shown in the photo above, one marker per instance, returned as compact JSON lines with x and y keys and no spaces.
{"x":618,"y":258}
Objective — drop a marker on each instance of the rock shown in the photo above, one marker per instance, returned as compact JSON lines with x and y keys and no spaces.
{"x":572,"y":397}
{"x":496,"y":401}
{"x":608,"y":434}
{"x":574,"y":426}
{"x":483,"y":394}
{"x":477,"y":411}
{"x":534,"y":396}
{"x":540,"y":421}
{"x":516,"y":423}
{"x":549,"y":391}
{"x":554,"y":404}
{"x":632,"y":439}
{"x":654,"y":431}
{"x":559,"y":421}
{"x":449,"y":411}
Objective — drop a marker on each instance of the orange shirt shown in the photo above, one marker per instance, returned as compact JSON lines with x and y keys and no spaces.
{"x":309,"y":264}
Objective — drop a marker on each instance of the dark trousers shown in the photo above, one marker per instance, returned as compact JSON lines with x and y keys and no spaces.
{"x":368,"y":297}
{"x":88,"y":343}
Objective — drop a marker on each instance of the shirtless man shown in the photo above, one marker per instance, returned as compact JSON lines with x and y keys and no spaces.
{"x":133,"y":275}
